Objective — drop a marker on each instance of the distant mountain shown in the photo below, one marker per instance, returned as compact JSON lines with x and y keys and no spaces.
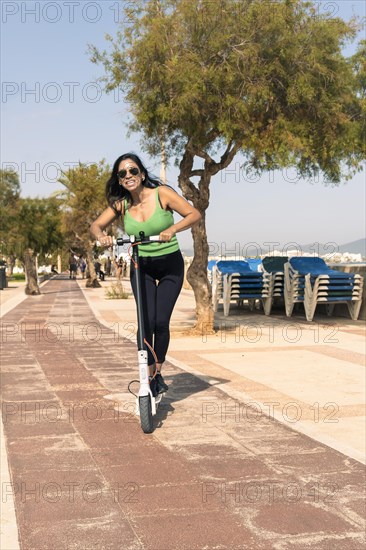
{"x":354,"y":247}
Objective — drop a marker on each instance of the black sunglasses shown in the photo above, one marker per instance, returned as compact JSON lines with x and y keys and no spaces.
{"x":123,"y":173}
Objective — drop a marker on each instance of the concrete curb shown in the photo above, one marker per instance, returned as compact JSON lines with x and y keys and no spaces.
{"x":8,"y":523}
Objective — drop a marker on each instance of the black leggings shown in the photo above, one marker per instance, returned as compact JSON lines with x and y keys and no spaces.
{"x":161,"y":283}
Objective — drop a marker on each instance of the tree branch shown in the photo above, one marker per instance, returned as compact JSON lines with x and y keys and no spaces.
{"x":190,"y":191}
{"x":213,"y":167}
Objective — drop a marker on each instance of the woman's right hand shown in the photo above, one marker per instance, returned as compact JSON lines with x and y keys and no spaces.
{"x":105,"y":241}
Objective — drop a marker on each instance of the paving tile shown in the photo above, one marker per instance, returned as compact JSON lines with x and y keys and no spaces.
{"x":297,"y":518}
{"x":130,"y":451}
{"x":349,"y":541}
{"x":151,"y":471}
{"x":293,"y":443}
{"x":165,"y":498}
{"x":43,"y":495}
{"x":206,"y":451}
{"x":336,"y":488}
{"x":67,"y":451}
{"x":255,"y":423}
{"x":27,"y":394}
{"x":47,"y":422}
{"x":323,"y":460}
{"x":31,"y":412}
{"x":111,"y":532}
{"x":359,"y":507}
{"x":192,"y":436}
{"x":195,"y":531}
{"x":109,"y":433}
{"x":80,"y":394}
{"x":20,"y":379}
{"x":233,"y":468}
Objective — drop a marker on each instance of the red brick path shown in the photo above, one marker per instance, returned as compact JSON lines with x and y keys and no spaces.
{"x":86,"y":477}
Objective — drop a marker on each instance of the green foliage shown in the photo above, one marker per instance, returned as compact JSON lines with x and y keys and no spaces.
{"x":17,"y":277}
{"x":116,"y":292}
{"x":358,"y":106}
{"x":25,"y":222}
{"x":83,"y":201}
{"x":39,"y":225}
{"x":9,"y":208}
{"x":268,"y":76}
{"x":9,"y":190}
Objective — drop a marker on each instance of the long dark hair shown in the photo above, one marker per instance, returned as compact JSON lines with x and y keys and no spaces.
{"x":115,"y":192}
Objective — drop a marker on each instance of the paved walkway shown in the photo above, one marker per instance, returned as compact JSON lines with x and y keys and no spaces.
{"x":229,"y":464}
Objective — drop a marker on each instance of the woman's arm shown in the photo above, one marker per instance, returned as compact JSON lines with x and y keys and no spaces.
{"x":100,"y":224}
{"x":170,"y":199}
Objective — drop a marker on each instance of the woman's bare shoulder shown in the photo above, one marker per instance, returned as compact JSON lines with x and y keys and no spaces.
{"x":166,"y":194}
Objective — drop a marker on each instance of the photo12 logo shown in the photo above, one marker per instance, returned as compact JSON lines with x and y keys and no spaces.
{"x":71,"y":492}
{"x":290,"y":412}
{"x":242,"y":492}
{"x":70,"y":12}
{"x":94,"y":12}
{"x":55,"y":92}
{"x":243,"y":250}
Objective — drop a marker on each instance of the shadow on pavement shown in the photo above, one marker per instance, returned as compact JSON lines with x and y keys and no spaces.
{"x":182,"y":386}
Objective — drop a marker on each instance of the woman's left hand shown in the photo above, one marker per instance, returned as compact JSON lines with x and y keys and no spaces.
{"x":167,"y":234}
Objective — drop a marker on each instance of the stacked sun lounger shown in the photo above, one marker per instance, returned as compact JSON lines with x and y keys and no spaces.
{"x":255,"y":264}
{"x":235,"y":281}
{"x":274,"y":266}
{"x":218,"y":279}
{"x":210,"y":265}
{"x":311,"y":281}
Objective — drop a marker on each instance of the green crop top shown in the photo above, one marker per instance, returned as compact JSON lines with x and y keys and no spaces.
{"x":161,"y":219}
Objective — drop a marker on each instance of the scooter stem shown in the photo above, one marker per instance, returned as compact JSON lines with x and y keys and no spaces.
{"x":140,"y":315}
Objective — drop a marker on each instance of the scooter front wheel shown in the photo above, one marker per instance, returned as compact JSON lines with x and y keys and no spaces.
{"x":146,"y":417}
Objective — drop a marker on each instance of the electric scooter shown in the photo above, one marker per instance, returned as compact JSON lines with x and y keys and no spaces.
{"x":146,"y":402}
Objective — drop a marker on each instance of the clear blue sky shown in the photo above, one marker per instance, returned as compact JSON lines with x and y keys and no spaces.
{"x":53,"y":114}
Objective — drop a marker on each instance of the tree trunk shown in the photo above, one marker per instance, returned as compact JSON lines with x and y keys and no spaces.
{"x":31,"y":287}
{"x":91,"y":276}
{"x":200,"y":197}
{"x":197,"y":278}
{"x":197,"y":272}
{"x":11,"y":265}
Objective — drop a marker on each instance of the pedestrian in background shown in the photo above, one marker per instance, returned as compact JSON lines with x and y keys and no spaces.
{"x":73,"y":266}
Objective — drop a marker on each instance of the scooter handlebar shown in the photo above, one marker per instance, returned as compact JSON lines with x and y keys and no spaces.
{"x":132,"y":239}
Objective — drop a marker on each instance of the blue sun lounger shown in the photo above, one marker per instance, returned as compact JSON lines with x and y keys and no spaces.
{"x":274,"y":266}
{"x":236,"y":281}
{"x":311,"y":281}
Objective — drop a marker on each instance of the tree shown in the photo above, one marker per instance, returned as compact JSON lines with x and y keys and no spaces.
{"x":359,"y":65}
{"x":30,"y":228}
{"x":39,"y":234}
{"x":266,"y":79}
{"x":9,"y":206}
{"x":83,"y":201}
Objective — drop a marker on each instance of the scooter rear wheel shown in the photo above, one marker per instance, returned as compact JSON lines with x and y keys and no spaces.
{"x":146,"y":417}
